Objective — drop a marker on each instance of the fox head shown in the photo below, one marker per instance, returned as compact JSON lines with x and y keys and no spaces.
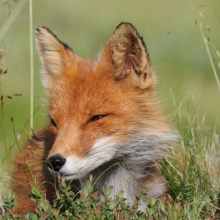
{"x":97,"y":107}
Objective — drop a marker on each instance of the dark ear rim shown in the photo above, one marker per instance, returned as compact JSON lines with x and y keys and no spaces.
{"x":39,"y":30}
{"x":142,"y":39}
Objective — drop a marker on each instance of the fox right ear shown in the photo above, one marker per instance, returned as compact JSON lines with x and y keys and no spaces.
{"x":126,"y":54}
{"x":55,"y":56}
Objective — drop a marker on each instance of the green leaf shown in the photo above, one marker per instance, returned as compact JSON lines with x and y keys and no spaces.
{"x":207,"y":198}
{"x":151,"y":211}
{"x":28,"y":215}
{"x":161,"y":205}
{"x":85,"y":191}
{"x":153,"y":201}
{"x":111,"y":205}
{"x":68,"y":188}
{"x":89,"y":185}
{"x":121,"y":193}
{"x":108,"y":191}
{"x":34,"y":217}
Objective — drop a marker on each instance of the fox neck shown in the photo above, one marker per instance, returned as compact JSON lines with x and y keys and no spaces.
{"x":117,"y":174}
{"x":121,"y":175}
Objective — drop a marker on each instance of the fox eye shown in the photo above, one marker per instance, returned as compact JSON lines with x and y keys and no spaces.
{"x":53,"y":122}
{"x":96,"y":117}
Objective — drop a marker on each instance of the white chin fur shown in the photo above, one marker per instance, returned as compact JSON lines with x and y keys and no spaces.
{"x":68,"y":177}
{"x":101,"y":152}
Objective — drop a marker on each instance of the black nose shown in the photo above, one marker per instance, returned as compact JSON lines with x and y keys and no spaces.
{"x":56,"y":162}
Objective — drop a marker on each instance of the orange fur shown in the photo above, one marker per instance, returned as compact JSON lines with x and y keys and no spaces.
{"x":120,"y":85}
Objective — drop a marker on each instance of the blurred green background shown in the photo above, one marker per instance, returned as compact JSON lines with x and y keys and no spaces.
{"x":173,"y":39}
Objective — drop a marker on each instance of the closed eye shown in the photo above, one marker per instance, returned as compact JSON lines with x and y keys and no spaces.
{"x":96,"y":117}
{"x":53,"y":122}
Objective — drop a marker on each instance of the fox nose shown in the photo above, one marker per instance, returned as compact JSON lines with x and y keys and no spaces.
{"x":56,"y":162}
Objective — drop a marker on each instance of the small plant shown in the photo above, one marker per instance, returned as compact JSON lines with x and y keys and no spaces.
{"x":89,"y":206}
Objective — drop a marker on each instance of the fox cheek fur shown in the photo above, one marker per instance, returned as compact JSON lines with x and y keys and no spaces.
{"x":101,"y":113}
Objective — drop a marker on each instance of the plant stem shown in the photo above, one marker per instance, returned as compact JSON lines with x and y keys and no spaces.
{"x":32,"y":67}
{"x":3,"y":125}
{"x":209,"y":55}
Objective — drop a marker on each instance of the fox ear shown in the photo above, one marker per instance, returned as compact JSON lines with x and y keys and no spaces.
{"x":127,"y":54}
{"x":54,"y":55}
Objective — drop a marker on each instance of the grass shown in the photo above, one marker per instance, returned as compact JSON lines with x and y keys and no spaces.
{"x":194,"y":173}
{"x":180,"y":61}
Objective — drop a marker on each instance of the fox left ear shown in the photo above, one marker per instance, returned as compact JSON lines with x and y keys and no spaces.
{"x":126,"y":53}
{"x":55,"y":56}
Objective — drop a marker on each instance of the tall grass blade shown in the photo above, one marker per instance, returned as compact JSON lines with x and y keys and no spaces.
{"x":32,"y":67}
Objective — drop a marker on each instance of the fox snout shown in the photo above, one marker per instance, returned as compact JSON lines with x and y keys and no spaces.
{"x":55,"y":163}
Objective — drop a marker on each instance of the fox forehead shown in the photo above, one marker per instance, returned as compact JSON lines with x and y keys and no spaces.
{"x":87,"y":90}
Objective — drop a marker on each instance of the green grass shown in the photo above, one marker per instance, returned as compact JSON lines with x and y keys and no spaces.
{"x":180,"y":61}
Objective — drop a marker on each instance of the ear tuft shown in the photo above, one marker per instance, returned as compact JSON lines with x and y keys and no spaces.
{"x":46,"y":40}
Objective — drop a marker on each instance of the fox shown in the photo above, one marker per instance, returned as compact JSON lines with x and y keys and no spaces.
{"x":101,"y":112}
